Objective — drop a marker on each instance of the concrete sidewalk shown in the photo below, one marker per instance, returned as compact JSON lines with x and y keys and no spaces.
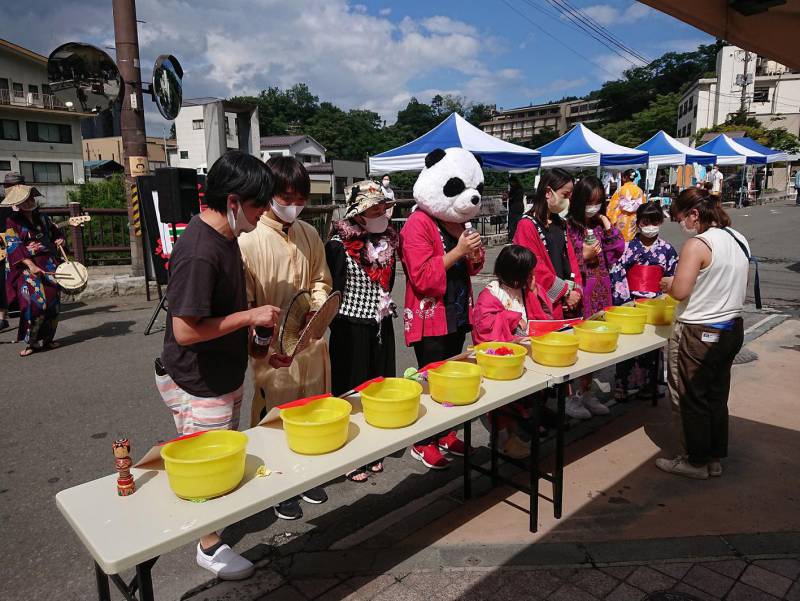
{"x":628,"y":529}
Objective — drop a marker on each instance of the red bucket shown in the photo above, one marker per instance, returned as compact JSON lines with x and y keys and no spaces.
{"x":540,"y":327}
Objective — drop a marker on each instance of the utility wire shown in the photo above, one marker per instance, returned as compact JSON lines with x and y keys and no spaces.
{"x":558,"y":40}
{"x":591,"y":22}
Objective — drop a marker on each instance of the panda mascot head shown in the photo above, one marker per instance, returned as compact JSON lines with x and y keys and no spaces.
{"x":449,"y":188}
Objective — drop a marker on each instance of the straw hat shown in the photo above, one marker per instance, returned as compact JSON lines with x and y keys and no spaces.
{"x":16,"y":190}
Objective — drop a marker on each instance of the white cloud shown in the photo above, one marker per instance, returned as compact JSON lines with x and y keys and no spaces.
{"x":606,"y":14}
{"x":385,"y":12}
{"x":682,"y":44}
{"x":612,"y":64}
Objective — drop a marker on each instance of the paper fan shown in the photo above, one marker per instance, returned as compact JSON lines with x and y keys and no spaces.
{"x":319,"y":322}
{"x":294,"y":322}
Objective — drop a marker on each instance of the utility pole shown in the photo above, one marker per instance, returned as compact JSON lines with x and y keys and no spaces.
{"x":134,"y":142}
{"x":745,"y":81}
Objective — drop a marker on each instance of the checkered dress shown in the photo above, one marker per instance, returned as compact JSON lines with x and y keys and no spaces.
{"x":361,"y":295}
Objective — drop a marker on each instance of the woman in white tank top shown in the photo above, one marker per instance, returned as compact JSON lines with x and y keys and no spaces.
{"x":710,"y":285}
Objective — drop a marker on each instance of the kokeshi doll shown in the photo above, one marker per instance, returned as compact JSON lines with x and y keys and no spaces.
{"x":122,"y":463}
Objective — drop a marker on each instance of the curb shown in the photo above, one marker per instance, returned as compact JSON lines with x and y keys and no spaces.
{"x":109,"y":286}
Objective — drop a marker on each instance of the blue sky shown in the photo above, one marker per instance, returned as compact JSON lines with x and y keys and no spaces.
{"x":367,"y":54}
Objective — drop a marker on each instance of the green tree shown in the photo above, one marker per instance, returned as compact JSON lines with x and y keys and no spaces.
{"x":105,"y":194}
{"x":776,"y":137}
{"x":662,"y":113}
{"x":640,"y":86}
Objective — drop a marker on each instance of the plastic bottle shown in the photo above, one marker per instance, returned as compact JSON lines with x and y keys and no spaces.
{"x":474,"y":256}
{"x":262,"y":337}
{"x":589,"y":239}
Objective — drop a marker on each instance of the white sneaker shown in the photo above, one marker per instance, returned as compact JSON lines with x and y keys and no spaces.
{"x":594,"y":405}
{"x":603,"y":387}
{"x":714,"y":468}
{"x":681,"y":466}
{"x":225,"y":564}
{"x":576,"y":409}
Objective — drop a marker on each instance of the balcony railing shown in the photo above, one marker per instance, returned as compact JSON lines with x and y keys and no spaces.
{"x":31,"y":100}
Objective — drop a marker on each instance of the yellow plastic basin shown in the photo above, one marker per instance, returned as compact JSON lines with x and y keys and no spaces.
{"x":318,"y":427}
{"x":501,"y":367}
{"x":631,"y":320}
{"x":205,"y":466}
{"x":455,"y":382}
{"x":669,"y":310}
{"x":556,"y":349}
{"x":656,"y":310}
{"x":391,"y":403}
{"x":597,"y":336}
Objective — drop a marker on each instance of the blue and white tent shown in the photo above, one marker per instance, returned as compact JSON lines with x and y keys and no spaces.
{"x":665,"y":150}
{"x":730,"y":152}
{"x":581,"y":147}
{"x":455,"y":131}
{"x":773,"y":156}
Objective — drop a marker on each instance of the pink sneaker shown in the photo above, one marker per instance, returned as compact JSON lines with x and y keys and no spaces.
{"x":452,"y":444}
{"x":430,"y":456}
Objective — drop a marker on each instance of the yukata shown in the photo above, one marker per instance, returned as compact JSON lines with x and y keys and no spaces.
{"x":38,"y":296}
{"x":280,"y":261}
{"x":621,"y":211}
{"x":597,"y":278}
{"x":633,"y":374}
{"x":661,"y":253}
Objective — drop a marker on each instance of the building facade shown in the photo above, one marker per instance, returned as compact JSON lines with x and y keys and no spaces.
{"x":328,"y":178}
{"x":521,"y":124}
{"x":206,"y":128}
{"x":39,"y":136}
{"x":771,"y":94}
{"x":102,"y":149}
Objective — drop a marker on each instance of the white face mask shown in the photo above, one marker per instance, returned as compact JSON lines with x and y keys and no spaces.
{"x":592,"y":210}
{"x":385,"y":182}
{"x":286,"y":214}
{"x":686,"y":230}
{"x":650,"y":231}
{"x":239,"y":223}
{"x":376,"y":225}
{"x":558,"y":204}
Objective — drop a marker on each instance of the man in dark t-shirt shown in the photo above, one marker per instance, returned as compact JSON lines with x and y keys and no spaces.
{"x":201,"y":369}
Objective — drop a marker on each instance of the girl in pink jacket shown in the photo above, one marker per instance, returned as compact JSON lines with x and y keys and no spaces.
{"x":501,"y":314}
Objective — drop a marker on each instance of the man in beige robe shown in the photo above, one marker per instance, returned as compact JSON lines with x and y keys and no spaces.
{"x":283,"y":256}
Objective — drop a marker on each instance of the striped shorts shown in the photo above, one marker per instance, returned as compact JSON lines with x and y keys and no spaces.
{"x":196,"y":414}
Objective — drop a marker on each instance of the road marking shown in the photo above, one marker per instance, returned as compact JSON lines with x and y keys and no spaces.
{"x":755,"y":326}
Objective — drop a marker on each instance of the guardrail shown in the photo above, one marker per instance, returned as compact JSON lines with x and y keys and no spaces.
{"x":31,"y":99}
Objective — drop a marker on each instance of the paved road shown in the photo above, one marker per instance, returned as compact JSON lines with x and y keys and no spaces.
{"x":61,"y":410}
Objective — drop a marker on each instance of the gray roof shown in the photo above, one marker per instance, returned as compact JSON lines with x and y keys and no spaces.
{"x":199,"y":101}
{"x":279,"y":141}
{"x":319,"y":168}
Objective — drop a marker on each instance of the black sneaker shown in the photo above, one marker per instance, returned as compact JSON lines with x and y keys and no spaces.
{"x":315,"y":496}
{"x":289,"y":510}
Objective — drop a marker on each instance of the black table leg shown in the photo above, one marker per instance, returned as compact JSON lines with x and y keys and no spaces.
{"x":558,"y":476}
{"x":534,"y":466}
{"x":654,"y":373}
{"x":144,"y":580}
{"x":467,"y":460}
{"x":493,"y":446}
{"x":103,"y":590}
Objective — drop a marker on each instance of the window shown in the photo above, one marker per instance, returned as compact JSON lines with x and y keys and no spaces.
{"x":341,"y":182}
{"x":5,"y":165}
{"x":46,"y":89}
{"x":33,"y":90}
{"x":49,"y":132}
{"x":18,"y":91}
{"x":680,"y":111}
{"x":695,"y":111}
{"x":46,"y":173}
{"x":275,"y":154}
{"x":3,"y":83}
{"x":691,"y":102}
{"x":761,"y":95}
{"x":227,"y":127}
{"x":184,"y":154}
{"x":197,"y":124}
{"x":9,"y":129}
